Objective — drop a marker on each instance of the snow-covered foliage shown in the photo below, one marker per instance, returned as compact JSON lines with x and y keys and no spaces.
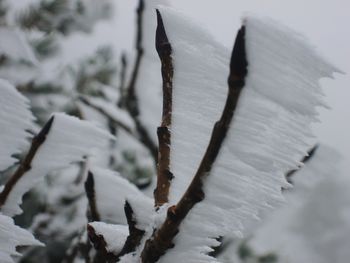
{"x":12,"y":236}
{"x":274,"y":94}
{"x":63,"y":145}
{"x":63,"y":140}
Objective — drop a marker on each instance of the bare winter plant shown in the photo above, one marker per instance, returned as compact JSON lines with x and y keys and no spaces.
{"x":228,"y":141}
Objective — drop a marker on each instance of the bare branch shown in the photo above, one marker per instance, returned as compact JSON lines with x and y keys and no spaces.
{"x":135,"y":234}
{"x":106,"y":114}
{"x":25,"y":165}
{"x":122,"y":88}
{"x":91,"y":196}
{"x":131,"y":102}
{"x":162,"y":239}
{"x":164,"y":175}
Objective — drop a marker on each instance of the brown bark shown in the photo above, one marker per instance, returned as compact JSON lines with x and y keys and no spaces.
{"x":25,"y":165}
{"x":164,"y":137}
{"x":162,"y":238}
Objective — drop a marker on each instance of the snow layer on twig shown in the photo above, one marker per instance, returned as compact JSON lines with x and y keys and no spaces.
{"x":69,"y":140}
{"x":269,"y":134}
{"x":111,"y":191}
{"x":114,"y":235}
{"x":15,"y":120}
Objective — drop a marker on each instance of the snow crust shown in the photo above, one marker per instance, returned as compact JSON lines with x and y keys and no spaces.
{"x":269,"y":134}
{"x":12,"y":236}
{"x":15,"y":120}
{"x":69,"y":140}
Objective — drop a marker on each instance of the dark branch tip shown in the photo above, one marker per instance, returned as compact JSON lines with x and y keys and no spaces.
{"x":128,"y":212}
{"x":45,"y":130}
{"x":90,"y":185}
{"x":239,"y":63}
{"x":162,"y":43}
{"x":141,"y":6}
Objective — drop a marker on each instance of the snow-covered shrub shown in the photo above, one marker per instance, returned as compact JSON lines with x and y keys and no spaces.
{"x":223,"y":155}
{"x":231,"y":129}
{"x":58,"y":145}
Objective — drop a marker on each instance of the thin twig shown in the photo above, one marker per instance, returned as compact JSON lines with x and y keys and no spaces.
{"x":162,"y":239}
{"x":131,"y":97}
{"x":26,"y":164}
{"x":164,"y":137}
{"x":122,"y":88}
{"x":107,"y":115}
{"x":91,"y":196}
{"x":135,"y":234}
{"x":131,"y":102}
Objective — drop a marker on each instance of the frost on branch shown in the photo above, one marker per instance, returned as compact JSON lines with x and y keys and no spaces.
{"x":12,"y":236}
{"x":15,"y":120}
{"x":269,"y":133}
{"x":63,"y":141}
{"x":111,"y":192}
{"x":119,"y":202}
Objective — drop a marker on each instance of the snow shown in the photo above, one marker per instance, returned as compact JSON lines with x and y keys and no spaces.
{"x":270,"y":131}
{"x":315,"y":220}
{"x":14,"y":45}
{"x":15,"y":120}
{"x":114,"y":235}
{"x":113,"y":111}
{"x":69,"y":140}
{"x":111,"y":192}
{"x":12,"y":236}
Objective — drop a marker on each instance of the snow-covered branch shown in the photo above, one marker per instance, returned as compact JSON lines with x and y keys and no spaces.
{"x":26,"y":164}
{"x":165,"y":176}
